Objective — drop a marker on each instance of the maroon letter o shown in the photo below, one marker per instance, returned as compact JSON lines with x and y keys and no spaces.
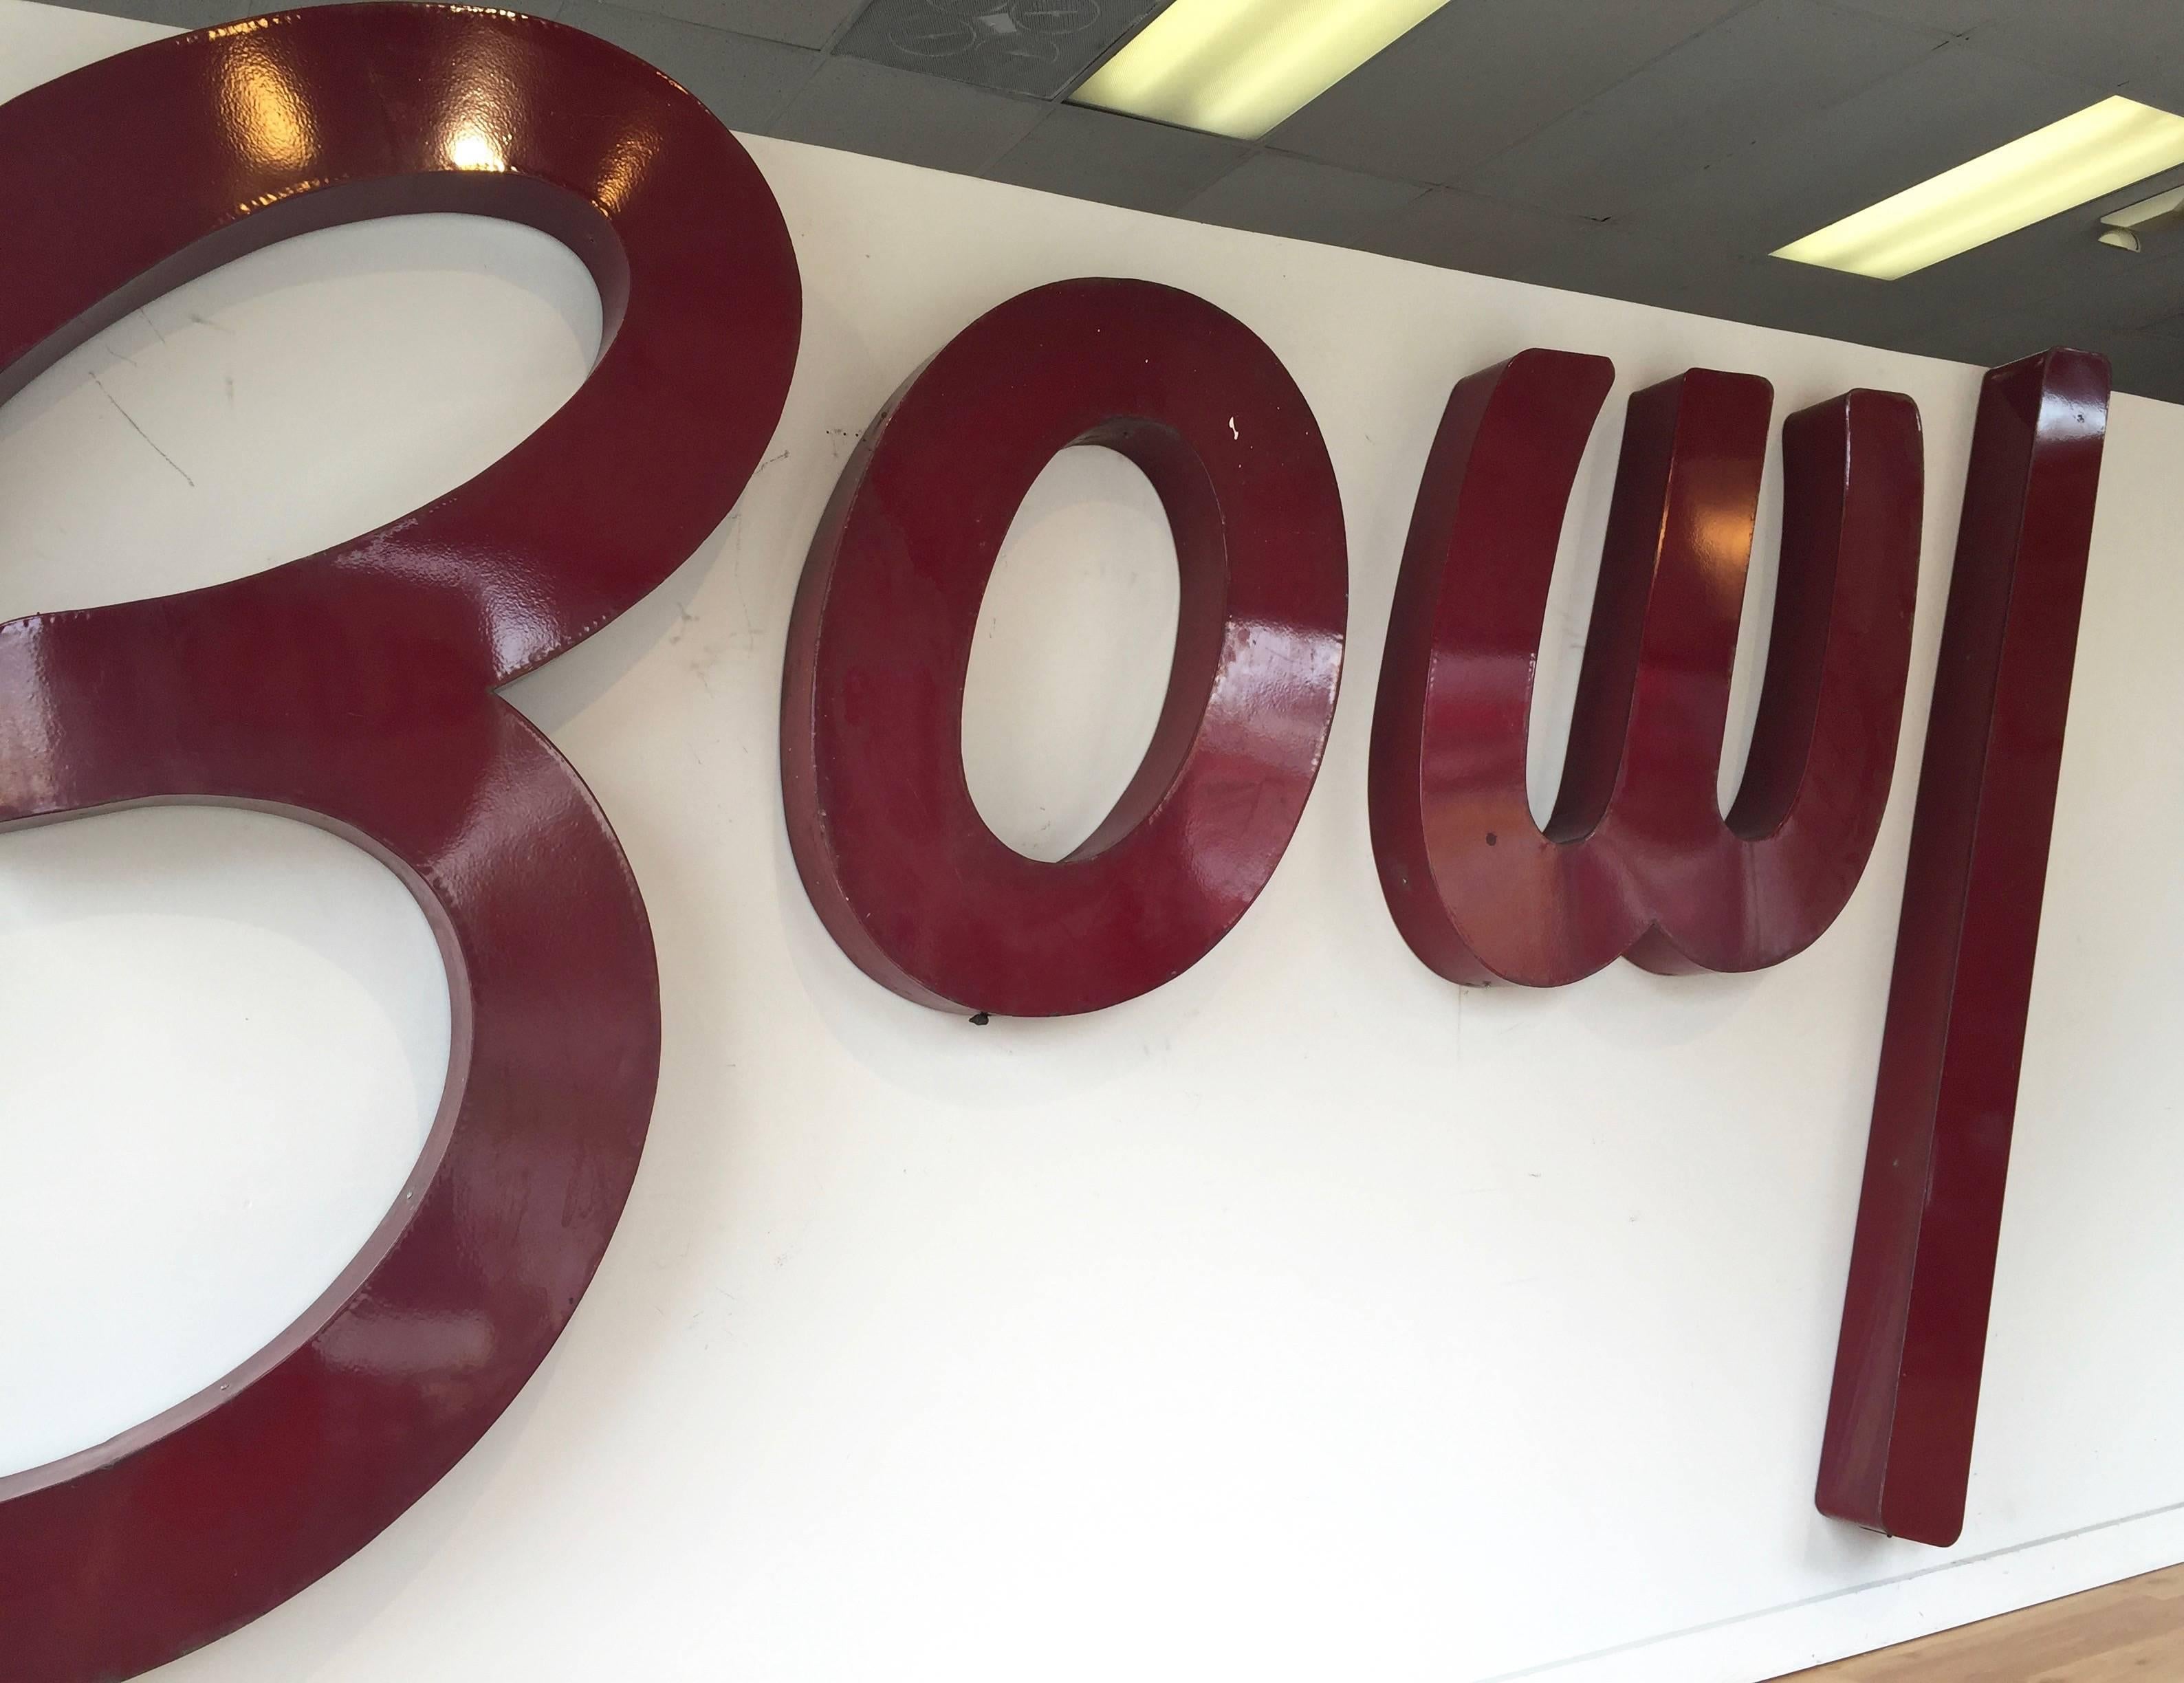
{"x":905,"y":873}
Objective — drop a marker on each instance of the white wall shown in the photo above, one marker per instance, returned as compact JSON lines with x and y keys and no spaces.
{"x":1306,"y":1319}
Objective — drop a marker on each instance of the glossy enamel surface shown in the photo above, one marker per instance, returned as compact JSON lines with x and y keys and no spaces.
{"x":353,"y":689}
{"x":1638,"y":859}
{"x":1898,"y":1454}
{"x":905,"y":873}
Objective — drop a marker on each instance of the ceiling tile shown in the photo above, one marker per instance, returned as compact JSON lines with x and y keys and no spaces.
{"x":2146,"y":365}
{"x":1991,"y":340}
{"x":1273,"y":193}
{"x":1618,"y":264}
{"x":1041,"y":48}
{"x":1764,"y":68}
{"x":1479,"y":75}
{"x":861,"y":107}
{"x":801,"y":23}
{"x":1955,"y":17}
{"x":1771,"y":291}
{"x":744,"y":81}
{"x":1118,"y":160}
{"x":1455,"y":230}
{"x":2137,"y":293}
{"x":1950,"y":105}
{"x":2130,"y":46}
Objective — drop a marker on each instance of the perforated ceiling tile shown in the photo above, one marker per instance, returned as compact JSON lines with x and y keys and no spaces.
{"x":1041,"y":48}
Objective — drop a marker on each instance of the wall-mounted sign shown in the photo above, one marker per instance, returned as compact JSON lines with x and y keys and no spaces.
{"x":355,"y":688}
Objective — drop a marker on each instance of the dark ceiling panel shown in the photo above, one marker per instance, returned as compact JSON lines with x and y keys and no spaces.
{"x":801,"y":23}
{"x":1039,"y":47}
{"x":2145,"y":296}
{"x":2149,"y":364}
{"x":1272,"y":193}
{"x":2005,"y":335}
{"x":1646,"y":271}
{"x":1956,"y":17}
{"x":861,"y":106}
{"x":1479,"y":75}
{"x":744,"y":80}
{"x":1952,"y":104}
{"x":1117,"y":160}
{"x":1770,"y":65}
{"x":1773,"y":292}
{"x":2130,"y":46}
{"x":2133,"y":292}
{"x":1455,"y":230}
{"x":1992,"y":339}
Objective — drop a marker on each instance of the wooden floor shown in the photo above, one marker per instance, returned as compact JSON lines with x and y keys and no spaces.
{"x":2133,"y":1630}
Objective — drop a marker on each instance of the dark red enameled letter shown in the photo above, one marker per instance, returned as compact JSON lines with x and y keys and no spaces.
{"x":1637,"y":859}
{"x":1897,"y":1455}
{"x":905,"y":873}
{"x":353,"y":689}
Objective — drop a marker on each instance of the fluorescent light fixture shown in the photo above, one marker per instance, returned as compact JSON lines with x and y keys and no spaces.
{"x":2088,"y":153}
{"x":1238,"y":67}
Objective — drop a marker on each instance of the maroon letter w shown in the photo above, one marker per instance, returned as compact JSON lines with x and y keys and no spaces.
{"x":1638,"y":859}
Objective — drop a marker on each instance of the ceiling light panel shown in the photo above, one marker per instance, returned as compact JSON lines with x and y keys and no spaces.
{"x":1238,"y":67}
{"x":2087,"y":154}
